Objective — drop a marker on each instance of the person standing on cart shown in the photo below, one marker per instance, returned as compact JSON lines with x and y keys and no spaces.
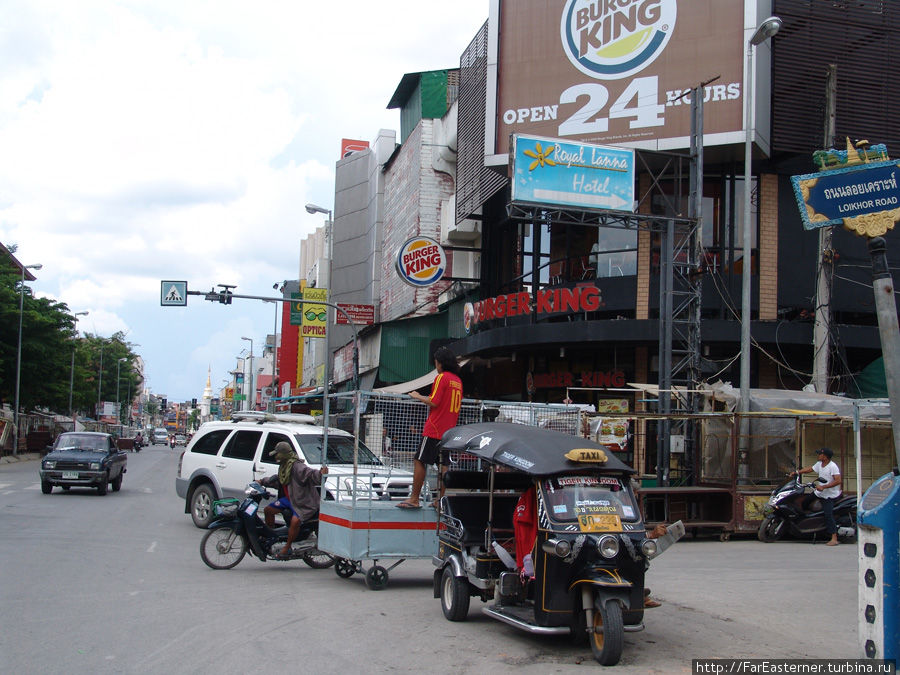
{"x":298,"y":491}
{"x":444,"y":404}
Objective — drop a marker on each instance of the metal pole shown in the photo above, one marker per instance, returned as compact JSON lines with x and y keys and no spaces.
{"x":745,"y":277}
{"x":886,"y":308}
{"x":326,"y":404}
{"x":99,"y":383}
{"x":19,"y":357}
{"x":271,"y":404}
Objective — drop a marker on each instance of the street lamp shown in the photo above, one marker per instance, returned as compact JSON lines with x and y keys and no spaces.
{"x":118,"y":405}
{"x":36,"y":266}
{"x":252,"y":390}
{"x":764,"y":31}
{"x":329,"y":246}
{"x":72,"y":370}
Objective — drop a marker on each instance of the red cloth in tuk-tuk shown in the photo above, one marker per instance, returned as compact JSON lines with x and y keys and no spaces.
{"x":525,"y":525}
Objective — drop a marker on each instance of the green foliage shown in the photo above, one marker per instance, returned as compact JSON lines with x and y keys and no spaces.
{"x":48,"y":344}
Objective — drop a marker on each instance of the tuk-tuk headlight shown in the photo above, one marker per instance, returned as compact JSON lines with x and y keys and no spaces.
{"x":649,"y":548}
{"x":608,"y":546}
{"x":558,"y":547}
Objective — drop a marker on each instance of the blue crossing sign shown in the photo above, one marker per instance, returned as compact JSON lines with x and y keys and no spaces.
{"x":173,"y":294}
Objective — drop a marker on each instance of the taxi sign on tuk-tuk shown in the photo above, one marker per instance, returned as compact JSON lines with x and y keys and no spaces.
{"x":587,"y":455}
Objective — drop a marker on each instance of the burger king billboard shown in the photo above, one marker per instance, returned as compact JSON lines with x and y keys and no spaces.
{"x":620,"y":72}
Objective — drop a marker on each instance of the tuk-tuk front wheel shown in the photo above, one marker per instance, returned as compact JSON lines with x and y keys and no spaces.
{"x":454,"y":596}
{"x":608,"y":632}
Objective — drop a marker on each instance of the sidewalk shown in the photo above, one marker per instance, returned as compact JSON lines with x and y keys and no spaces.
{"x":21,"y":457}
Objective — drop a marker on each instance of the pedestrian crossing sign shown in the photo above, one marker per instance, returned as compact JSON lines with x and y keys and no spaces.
{"x":173,"y":294}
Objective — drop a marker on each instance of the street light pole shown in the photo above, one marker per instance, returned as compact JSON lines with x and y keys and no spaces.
{"x":118,"y":404}
{"x":329,"y":244}
{"x":252,"y":389}
{"x":72,"y":370}
{"x":99,"y":382}
{"x":764,"y":31}
{"x":36,"y":266}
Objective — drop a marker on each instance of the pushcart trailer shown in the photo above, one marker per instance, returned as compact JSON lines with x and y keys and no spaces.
{"x":361,"y":527}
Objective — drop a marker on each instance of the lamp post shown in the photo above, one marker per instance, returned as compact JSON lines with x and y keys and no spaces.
{"x":764,"y":31}
{"x":250,"y":372}
{"x":72,"y":369}
{"x":329,"y":241}
{"x":36,"y":266}
{"x":99,"y":382}
{"x":118,"y":404}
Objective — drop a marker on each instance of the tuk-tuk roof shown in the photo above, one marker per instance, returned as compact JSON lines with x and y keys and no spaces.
{"x":532,"y":450}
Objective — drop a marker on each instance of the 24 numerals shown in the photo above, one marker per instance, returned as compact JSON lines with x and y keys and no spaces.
{"x":639,"y":100}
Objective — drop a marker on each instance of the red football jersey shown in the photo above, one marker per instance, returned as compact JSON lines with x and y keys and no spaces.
{"x":446,"y":394}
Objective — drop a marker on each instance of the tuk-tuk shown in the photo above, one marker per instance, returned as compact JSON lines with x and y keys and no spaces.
{"x":550,"y":531}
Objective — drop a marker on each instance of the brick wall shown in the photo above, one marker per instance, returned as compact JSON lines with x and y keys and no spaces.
{"x":413,"y":192}
{"x":768,"y":247}
{"x":642,"y":310}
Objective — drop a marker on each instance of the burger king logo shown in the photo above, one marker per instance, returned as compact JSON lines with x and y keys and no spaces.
{"x":468,"y":316}
{"x":613,"y":39}
{"x":421,"y":261}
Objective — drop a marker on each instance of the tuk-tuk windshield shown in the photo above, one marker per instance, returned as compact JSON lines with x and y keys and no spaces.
{"x":588,"y":498}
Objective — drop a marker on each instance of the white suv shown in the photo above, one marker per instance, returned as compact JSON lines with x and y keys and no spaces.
{"x":223,"y":457}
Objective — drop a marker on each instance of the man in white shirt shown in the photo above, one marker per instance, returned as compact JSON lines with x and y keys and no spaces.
{"x":829,"y":491}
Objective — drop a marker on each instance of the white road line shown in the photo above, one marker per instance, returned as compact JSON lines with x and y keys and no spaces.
{"x":152,"y":547}
{"x":3,"y":486}
{"x":36,"y":486}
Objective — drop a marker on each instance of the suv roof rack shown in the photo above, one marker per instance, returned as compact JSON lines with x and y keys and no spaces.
{"x":260,"y":417}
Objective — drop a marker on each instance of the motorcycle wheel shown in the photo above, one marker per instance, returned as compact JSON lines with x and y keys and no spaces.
{"x":454,"y":596}
{"x":318,"y":560}
{"x":608,"y":634}
{"x":771,"y":529}
{"x":223,"y":548}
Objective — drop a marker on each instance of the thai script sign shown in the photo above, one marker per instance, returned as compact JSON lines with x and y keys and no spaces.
{"x":856,"y":197}
{"x":359,"y":314}
{"x":550,"y":171}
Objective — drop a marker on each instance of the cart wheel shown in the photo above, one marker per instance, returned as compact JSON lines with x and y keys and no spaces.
{"x":724,"y":536}
{"x":344,"y":568}
{"x":377,"y":578}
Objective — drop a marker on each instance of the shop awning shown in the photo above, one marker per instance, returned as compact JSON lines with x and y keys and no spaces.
{"x":423,"y":381}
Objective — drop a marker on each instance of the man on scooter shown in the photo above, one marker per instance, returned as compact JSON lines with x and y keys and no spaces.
{"x":829,"y":491}
{"x":298,"y":492}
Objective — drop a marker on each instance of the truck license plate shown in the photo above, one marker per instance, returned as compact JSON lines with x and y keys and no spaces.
{"x":70,"y":474}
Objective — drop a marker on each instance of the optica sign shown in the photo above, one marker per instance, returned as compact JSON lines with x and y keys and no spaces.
{"x":421,"y":261}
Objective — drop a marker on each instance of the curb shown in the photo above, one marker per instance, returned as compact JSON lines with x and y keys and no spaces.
{"x":22,"y":457}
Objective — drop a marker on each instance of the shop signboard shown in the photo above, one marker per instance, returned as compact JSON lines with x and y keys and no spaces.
{"x":359,"y":314}
{"x":620,"y":72}
{"x":552,"y":171}
{"x":421,"y":262}
{"x":315,"y":316}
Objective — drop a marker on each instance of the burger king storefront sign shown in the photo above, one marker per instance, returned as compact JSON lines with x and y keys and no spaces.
{"x":582,"y":298}
{"x":421,"y":261}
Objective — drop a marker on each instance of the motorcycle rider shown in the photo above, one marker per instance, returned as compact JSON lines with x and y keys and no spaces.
{"x":829,"y":491}
{"x":298,"y":492}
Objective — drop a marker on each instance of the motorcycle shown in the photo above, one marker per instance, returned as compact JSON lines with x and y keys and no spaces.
{"x":565,"y":505}
{"x":794,"y":508}
{"x":138,"y":444}
{"x":172,"y":442}
{"x":237,"y":528}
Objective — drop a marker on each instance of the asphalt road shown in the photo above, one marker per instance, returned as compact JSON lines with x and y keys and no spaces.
{"x":115,"y":584}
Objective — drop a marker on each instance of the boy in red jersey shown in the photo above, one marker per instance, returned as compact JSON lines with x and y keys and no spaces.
{"x":444,"y":404}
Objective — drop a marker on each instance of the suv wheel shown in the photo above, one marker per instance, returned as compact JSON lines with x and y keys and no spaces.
{"x":201,"y":505}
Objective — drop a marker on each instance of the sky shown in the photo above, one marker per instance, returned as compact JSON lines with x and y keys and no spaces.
{"x":180,"y":140}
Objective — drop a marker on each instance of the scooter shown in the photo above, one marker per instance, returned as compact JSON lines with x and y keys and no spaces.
{"x":172,"y":442}
{"x":236,"y":528}
{"x":138,"y":445}
{"x":794,"y":508}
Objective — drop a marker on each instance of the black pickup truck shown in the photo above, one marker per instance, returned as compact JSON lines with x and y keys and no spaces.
{"x":83,"y":459}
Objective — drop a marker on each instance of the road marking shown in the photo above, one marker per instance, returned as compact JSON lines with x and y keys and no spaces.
{"x":36,"y":486}
{"x":152,"y":547}
{"x":3,"y":486}
{"x":146,"y":490}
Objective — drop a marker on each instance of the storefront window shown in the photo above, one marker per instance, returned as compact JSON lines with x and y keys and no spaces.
{"x":615,"y":253}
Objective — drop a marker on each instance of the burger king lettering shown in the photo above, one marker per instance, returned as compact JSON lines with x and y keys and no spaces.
{"x":421,"y":261}
{"x":546,"y":301}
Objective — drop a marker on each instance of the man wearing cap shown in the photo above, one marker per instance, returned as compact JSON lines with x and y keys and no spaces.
{"x":828,"y":491}
{"x":298,"y":492}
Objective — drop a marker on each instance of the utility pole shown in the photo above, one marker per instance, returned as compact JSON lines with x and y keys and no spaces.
{"x":825,"y":260}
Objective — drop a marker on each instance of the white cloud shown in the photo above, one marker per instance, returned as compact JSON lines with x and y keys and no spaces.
{"x":152,"y":139}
